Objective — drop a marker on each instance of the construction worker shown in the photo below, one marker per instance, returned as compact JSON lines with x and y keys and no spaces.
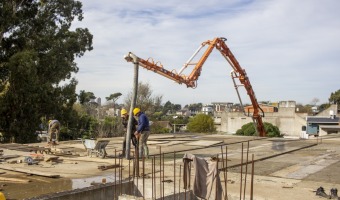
{"x":2,"y":196}
{"x":53,"y":131}
{"x":142,"y":133}
{"x":125,"y":119}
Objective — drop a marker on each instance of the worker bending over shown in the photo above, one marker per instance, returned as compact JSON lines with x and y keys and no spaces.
{"x":53,"y":131}
{"x":142,"y":133}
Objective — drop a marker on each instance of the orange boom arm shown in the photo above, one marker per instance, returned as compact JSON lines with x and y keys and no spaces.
{"x":191,"y":79}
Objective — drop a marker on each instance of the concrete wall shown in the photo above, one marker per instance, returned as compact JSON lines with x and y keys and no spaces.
{"x":106,"y":191}
{"x":285,"y":119}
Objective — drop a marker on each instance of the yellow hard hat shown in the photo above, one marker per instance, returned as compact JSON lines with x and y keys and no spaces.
{"x":136,"y":111}
{"x":123,"y":112}
{"x":2,"y":196}
{"x":49,"y":121}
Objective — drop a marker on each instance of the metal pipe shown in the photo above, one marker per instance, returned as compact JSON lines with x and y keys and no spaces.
{"x":190,"y":59}
{"x":131,"y":58}
{"x":232,"y":73}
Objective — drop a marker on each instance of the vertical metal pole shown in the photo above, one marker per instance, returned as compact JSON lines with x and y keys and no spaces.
{"x":226,"y":172}
{"x":216,"y":170}
{"x":179,"y":182}
{"x":115,"y":172}
{"x":225,"y":183}
{"x":154,"y":167}
{"x":160,"y":171}
{"x":130,"y":192}
{"x":133,"y":175}
{"x":143,"y":177}
{"x":252,"y":178}
{"x":245,"y":176}
{"x":241,"y":172}
{"x":133,"y":104}
{"x":163,"y":177}
{"x":189,"y":179}
{"x":152,"y":170}
{"x":174,"y":175}
{"x":121,"y":175}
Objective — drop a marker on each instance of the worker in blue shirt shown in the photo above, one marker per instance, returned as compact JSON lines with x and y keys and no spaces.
{"x":142,"y":133}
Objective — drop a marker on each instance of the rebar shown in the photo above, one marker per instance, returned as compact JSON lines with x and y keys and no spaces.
{"x":160,"y":171}
{"x":241,"y":175}
{"x":245,"y":176}
{"x":174,"y":175}
{"x":252,"y":178}
{"x":152,"y":166}
{"x":143,"y":177}
{"x":115,"y":172}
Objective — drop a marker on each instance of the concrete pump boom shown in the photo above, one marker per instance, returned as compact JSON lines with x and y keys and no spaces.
{"x":191,"y":79}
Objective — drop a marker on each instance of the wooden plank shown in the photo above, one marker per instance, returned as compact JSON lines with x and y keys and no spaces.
{"x":29,"y":171}
{"x":15,"y":180}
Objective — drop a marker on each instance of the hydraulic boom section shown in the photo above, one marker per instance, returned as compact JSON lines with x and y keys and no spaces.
{"x":191,"y":79}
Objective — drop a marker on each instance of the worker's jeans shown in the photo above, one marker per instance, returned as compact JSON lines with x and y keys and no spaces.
{"x":142,"y":144}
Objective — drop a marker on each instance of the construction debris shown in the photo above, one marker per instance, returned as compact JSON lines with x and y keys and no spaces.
{"x":105,"y":167}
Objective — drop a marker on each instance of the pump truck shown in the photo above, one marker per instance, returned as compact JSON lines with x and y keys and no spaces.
{"x":191,"y":80}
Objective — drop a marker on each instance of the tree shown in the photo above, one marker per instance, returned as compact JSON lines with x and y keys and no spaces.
{"x":201,"y":123}
{"x":145,"y":99}
{"x":194,"y":108}
{"x":114,"y":97}
{"x":315,"y":101}
{"x":37,"y":53}
{"x":249,"y":130}
{"x":335,"y":97}
{"x":85,"y":97}
{"x":171,"y":108}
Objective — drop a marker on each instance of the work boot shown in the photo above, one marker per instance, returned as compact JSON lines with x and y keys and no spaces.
{"x":321,"y":192}
{"x":334,"y":193}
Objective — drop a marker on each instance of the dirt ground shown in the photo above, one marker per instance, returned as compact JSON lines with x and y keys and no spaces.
{"x":283,"y":168}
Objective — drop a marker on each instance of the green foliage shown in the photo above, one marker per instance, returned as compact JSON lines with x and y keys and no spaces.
{"x":85,"y":97}
{"x":170,"y":108}
{"x":335,"y":97}
{"x":156,"y":128}
{"x":196,"y":107}
{"x":37,"y":53}
{"x":201,"y":123}
{"x":249,"y":130}
{"x":114,"y":97}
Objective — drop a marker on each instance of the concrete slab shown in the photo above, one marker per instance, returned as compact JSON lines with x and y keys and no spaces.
{"x":203,"y":143}
{"x":171,"y":143}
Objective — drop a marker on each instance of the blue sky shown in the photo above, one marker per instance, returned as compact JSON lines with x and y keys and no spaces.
{"x":290,"y":49}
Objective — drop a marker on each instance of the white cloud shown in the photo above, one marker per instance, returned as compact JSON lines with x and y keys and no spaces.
{"x":290,"y":49}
